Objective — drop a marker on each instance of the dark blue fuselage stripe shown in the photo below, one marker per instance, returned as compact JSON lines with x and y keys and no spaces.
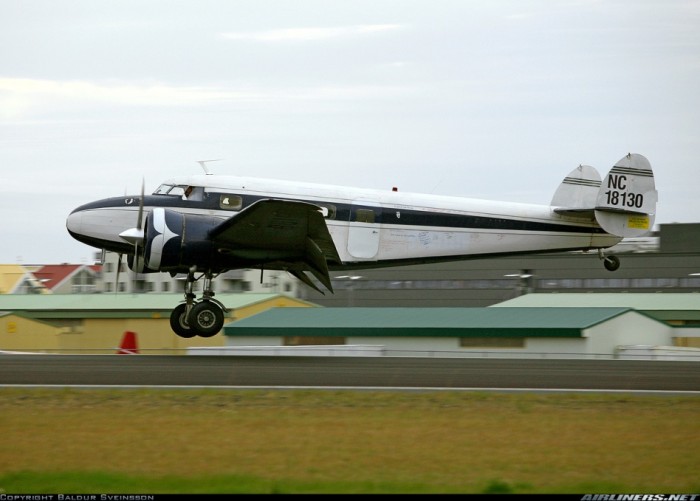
{"x":347,"y":212}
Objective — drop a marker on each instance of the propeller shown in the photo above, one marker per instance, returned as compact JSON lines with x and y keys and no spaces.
{"x":135,"y":235}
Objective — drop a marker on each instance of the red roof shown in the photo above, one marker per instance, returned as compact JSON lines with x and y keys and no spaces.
{"x":52,"y":275}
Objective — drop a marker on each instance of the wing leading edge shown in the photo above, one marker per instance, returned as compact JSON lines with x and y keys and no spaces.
{"x":280,"y":233}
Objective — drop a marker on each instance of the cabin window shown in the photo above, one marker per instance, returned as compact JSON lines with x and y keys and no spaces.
{"x":364,"y":216}
{"x":230,"y":202}
{"x":328,"y":211}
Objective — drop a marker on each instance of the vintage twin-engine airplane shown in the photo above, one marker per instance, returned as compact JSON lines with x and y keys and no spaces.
{"x":208,"y":224}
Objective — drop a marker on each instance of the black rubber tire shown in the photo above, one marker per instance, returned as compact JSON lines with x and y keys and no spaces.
{"x":611,"y":263}
{"x":206,"y":318}
{"x":179,"y":324}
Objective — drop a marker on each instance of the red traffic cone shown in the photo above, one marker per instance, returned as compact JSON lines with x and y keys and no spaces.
{"x":128,"y":346}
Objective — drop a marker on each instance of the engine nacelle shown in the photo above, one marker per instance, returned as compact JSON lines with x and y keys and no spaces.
{"x":174,"y":242}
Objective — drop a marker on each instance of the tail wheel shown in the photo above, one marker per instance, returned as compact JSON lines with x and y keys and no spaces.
{"x":206,"y":318}
{"x":611,"y":263}
{"x":178,"y":322}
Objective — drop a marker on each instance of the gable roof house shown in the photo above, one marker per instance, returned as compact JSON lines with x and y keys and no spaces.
{"x":16,"y":279}
{"x":70,"y":278}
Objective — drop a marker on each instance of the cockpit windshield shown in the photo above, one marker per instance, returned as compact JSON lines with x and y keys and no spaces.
{"x":170,"y":189}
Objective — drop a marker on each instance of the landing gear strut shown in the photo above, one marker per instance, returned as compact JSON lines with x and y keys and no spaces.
{"x":611,"y":263}
{"x":198,"y":318}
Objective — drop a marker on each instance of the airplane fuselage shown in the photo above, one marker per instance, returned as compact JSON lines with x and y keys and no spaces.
{"x":369,"y":227}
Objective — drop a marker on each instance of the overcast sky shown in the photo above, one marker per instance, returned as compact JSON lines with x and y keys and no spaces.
{"x":485,"y":99}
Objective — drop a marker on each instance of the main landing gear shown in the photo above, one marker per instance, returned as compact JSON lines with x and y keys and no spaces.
{"x":202,"y":318}
{"x":611,"y":263}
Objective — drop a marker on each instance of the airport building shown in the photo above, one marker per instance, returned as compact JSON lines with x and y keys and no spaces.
{"x":96,"y":323}
{"x":666,"y":262}
{"x":658,"y":285}
{"x":564,"y":332}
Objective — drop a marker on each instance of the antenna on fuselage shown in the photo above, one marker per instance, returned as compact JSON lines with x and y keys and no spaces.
{"x":204,"y":166}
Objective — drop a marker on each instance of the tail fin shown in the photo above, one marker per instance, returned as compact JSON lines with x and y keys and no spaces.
{"x":578,"y":192}
{"x":626,"y":203}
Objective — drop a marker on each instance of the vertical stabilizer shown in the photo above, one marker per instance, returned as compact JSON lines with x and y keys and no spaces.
{"x":626,"y":202}
{"x":578,"y":191}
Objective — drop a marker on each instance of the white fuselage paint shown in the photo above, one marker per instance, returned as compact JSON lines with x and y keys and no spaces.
{"x":358,"y":242}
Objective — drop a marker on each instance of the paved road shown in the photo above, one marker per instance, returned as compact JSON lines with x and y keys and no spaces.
{"x":399,"y":372}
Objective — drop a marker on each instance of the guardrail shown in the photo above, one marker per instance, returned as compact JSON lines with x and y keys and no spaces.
{"x":665,"y":353}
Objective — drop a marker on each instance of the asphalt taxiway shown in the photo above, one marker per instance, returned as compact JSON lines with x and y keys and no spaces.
{"x":359,"y":372}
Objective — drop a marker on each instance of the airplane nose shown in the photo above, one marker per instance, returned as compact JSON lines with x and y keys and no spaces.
{"x":74,"y":222}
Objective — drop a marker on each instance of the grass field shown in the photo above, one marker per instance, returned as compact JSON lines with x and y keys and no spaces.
{"x":254,"y":441}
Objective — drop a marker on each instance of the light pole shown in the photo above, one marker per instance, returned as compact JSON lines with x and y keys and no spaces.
{"x":525,"y":283}
{"x":351,"y":286}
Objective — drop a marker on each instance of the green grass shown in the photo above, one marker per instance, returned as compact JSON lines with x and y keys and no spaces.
{"x":324,"y":441}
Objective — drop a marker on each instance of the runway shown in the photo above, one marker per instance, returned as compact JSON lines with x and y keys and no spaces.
{"x":369,"y":372}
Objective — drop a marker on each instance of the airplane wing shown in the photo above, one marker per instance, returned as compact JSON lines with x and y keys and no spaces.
{"x":280,"y":231}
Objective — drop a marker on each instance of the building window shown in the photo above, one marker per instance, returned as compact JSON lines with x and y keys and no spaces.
{"x":165,"y":286}
{"x":83,"y":282}
{"x":492,"y":342}
{"x":312,"y":340}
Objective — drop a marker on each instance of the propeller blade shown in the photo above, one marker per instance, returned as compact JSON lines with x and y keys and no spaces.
{"x":140,"y":217}
{"x":136,"y":235}
{"x":119,"y":268}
